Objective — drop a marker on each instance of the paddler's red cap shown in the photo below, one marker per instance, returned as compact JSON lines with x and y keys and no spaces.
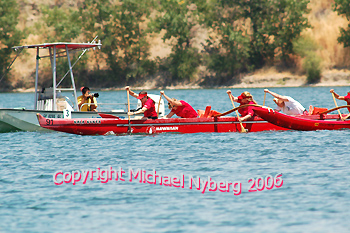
{"x":242,"y":96}
{"x":141,"y":96}
{"x":348,"y":96}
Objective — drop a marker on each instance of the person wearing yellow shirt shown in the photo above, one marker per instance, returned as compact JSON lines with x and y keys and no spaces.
{"x":87,"y":102}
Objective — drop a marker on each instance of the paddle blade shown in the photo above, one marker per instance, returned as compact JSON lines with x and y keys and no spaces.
{"x":242,"y":130}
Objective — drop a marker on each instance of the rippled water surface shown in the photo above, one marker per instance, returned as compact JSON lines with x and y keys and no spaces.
{"x":315,"y":168}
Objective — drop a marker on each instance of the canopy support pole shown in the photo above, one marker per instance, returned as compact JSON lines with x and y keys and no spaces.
{"x":36,"y":79}
{"x":72,"y":79}
{"x":54,"y":79}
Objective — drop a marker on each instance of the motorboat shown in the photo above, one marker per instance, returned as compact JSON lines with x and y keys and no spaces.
{"x":53,"y":102}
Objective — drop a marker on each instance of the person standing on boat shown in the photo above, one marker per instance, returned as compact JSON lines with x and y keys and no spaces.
{"x":179,"y":107}
{"x":346,"y":98}
{"x":87,"y":102}
{"x":287,"y":104}
{"x":148,"y":106}
{"x":244,"y":98}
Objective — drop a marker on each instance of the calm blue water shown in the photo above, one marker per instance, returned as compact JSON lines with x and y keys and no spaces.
{"x":315,"y":168}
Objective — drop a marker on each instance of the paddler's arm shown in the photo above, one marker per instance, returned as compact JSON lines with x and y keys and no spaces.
{"x":142,"y":110}
{"x":336,"y":95}
{"x":172,"y":102}
{"x":169,"y":115}
{"x":230,"y":94}
{"x":246,"y":117}
{"x":281,"y":97}
{"x":133,"y":94}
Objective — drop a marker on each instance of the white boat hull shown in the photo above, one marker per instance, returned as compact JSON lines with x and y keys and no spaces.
{"x":12,"y":120}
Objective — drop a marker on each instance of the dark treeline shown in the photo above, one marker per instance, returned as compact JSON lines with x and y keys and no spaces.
{"x":242,"y":35}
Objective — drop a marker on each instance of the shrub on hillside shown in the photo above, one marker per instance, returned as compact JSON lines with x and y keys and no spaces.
{"x":306,"y":48}
{"x":312,"y":66}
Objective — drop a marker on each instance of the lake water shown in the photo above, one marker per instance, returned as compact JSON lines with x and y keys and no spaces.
{"x":314,"y":168}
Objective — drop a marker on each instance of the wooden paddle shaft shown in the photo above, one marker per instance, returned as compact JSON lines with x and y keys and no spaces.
{"x":336,"y":105}
{"x":234,"y":109}
{"x":160,"y":98}
{"x":264,"y":99}
{"x":128,"y":105}
{"x":333,"y":109}
{"x":129,"y":126}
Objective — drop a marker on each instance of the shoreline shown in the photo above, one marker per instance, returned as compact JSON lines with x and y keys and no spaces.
{"x":330,"y":78}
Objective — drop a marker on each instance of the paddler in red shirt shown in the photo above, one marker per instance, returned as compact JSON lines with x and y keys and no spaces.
{"x":148,"y":106}
{"x":244,"y":98}
{"x":180,"y":108}
{"x":346,"y":98}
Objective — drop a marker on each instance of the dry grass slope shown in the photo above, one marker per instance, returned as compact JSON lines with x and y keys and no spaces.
{"x":325,"y":31}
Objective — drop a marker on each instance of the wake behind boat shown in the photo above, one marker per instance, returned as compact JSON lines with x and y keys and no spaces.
{"x":304,"y":123}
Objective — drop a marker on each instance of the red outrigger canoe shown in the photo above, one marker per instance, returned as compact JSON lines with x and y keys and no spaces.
{"x":216,"y":123}
{"x":110,"y":125}
{"x":305,"y":123}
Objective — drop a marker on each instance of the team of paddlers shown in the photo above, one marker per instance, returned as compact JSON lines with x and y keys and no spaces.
{"x":182,"y":109}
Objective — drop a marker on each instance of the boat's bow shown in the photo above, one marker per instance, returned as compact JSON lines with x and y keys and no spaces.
{"x":41,"y":120}
{"x":301,"y":122}
{"x":276,"y":118}
{"x":81,"y":126}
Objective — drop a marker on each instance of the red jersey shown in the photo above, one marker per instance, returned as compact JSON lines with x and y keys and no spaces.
{"x":151,"y":109}
{"x":185,"y":111}
{"x":247,"y":110}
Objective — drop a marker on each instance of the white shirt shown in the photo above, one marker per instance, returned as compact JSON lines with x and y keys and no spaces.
{"x":291,"y":107}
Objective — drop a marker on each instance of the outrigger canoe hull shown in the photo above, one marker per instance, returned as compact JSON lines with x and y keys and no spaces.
{"x":12,"y":120}
{"x":330,"y":122}
{"x":115,"y":126}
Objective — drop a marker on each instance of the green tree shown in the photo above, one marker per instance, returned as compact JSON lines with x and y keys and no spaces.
{"x":61,"y":24}
{"x":121,"y":28}
{"x":274,"y":24}
{"x":257,"y":11}
{"x":252,"y":33}
{"x":179,"y":19}
{"x":228,"y":46}
{"x":287,"y":22}
{"x":9,"y":35}
{"x":342,"y":7}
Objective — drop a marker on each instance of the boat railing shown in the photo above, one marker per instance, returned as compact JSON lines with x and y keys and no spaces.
{"x":61,"y":104}
{"x":106,"y":107}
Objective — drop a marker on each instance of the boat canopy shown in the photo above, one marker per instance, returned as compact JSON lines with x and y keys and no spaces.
{"x":60,"y":45}
{"x":55,"y":51}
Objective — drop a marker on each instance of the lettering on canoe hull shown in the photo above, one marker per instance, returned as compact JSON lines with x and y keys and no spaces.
{"x":52,"y":115}
{"x":152,"y":129}
{"x":167,"y":128}
{"x":79,"y":122}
